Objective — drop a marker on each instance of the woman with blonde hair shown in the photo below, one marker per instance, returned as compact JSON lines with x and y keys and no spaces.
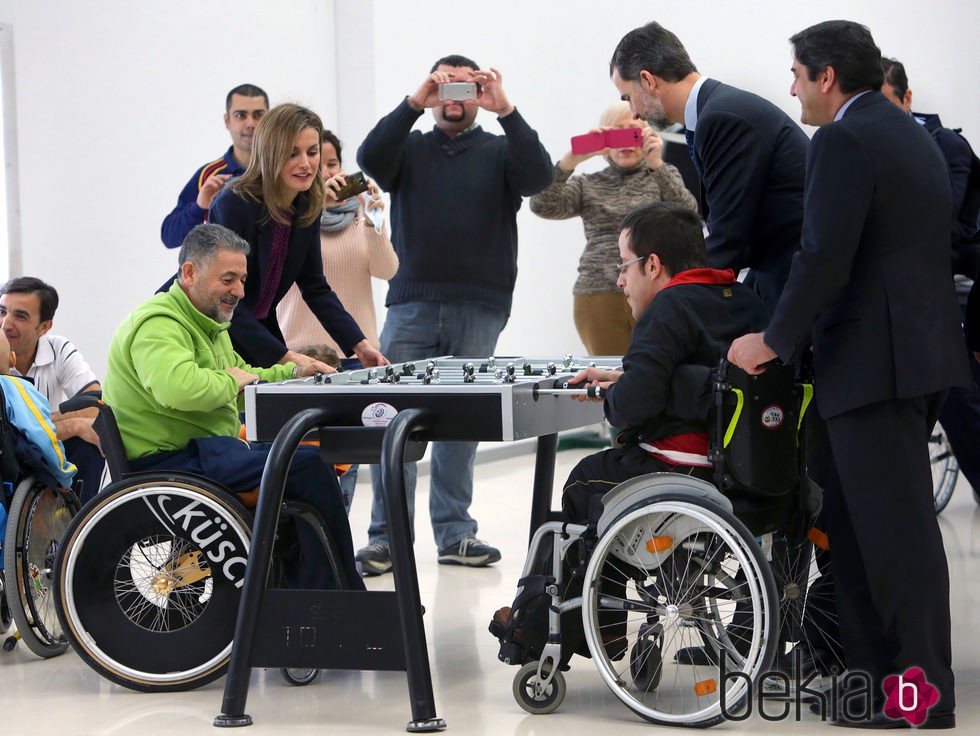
{"x":634,"y":177}
{"x":276,"y":206}
{"x":355,"y":248}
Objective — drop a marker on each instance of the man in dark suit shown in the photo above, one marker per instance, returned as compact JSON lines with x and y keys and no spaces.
{"x":749,"y":155}
{"x":961,"y":412}
{"x":871,"y":287}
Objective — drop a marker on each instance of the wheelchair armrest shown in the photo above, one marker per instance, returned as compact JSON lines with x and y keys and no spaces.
{"x":86,"y":400}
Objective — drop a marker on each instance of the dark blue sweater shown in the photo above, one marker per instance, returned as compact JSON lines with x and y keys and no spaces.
{"x":187,"y":214}
{"x":454,"y":205}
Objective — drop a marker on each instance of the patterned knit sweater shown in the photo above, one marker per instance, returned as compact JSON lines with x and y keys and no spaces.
{"x":350,"y":258}
{"x":602,"y":199}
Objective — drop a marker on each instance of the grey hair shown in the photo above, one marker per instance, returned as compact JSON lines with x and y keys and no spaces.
{"x":205,"y":240}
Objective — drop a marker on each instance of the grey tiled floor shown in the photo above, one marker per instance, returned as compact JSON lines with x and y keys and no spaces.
{"x":62,"y":696}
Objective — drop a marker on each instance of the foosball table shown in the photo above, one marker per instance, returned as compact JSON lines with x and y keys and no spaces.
{"x":386,"y":415}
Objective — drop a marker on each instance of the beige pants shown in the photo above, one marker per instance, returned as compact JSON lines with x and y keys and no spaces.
{"x":604,"y":322}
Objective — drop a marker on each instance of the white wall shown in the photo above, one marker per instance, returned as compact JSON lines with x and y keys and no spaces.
{"x":118,"y":102}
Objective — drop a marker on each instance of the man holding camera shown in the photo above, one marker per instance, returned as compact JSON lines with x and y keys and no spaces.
{"x":244,"y":107}
{"x":455,"y":194}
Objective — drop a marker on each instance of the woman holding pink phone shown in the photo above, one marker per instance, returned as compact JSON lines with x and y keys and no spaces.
{"x":635,"y":176}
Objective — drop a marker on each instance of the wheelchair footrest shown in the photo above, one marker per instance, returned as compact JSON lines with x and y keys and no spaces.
{"x":329,"y":629}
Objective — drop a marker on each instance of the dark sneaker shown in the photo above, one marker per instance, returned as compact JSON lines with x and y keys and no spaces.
{"x":469,"y":551}
{"x":375,"y":559}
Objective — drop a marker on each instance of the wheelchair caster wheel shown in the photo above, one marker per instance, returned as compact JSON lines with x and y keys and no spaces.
{"x":646,"y":665}
{"x":299,"y":676}
{"x":532,"y":695}
{"x":10,"y":642}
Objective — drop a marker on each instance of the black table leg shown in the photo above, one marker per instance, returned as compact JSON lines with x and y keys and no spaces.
{"x":544,"y":481}
{"x":403,"y":566}
{"x":257,"y":569}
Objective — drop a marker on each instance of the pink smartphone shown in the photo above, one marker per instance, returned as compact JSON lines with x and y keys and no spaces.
{"x":588,"y":143}
{"x":624,"y":138}
{"x":615,"y":138}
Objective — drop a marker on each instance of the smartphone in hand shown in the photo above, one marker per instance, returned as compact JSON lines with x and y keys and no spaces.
{"x":615,"y":138}
{"x":356,"y":183}
{"x":457,"y":91}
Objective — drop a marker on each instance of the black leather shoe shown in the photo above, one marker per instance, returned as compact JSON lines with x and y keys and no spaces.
{"x":939,"y":721}
{"x":877,"y":720}
{"x":695,"y":655}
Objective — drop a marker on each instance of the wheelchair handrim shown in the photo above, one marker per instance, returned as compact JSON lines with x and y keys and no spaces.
{"x":74,"y":546}
{"x":761,"y":618}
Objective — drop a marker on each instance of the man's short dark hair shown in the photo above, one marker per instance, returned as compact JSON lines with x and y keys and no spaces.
{"x":895,"y":76}
{"x":205,"y":240}
{"x":328,"y":136}
{"x":654,"y":49}
{"x":846,"y":46}
{"x":246,"y":90}
{"x":455,"y":60}
{"x":673,"y":232}
{"x":46,"y":293}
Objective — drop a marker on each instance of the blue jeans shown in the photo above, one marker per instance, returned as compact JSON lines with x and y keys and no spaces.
{"x":419,"y":330}
{"x":347,"y":483}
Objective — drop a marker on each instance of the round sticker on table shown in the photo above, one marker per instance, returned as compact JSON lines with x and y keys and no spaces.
{"x":378,"y":414}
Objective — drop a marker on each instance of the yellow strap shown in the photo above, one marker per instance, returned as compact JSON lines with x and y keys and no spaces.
{"x":807,"y":398}
{"x":740,"y":400}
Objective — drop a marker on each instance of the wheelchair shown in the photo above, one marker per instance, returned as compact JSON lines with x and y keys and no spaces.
{"x":33,"y":519}
{"x":945,"y":468}
{"x":150,"y":573}
{"x":679,"y":578}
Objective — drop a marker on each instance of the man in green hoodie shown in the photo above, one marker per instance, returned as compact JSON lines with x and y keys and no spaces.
{"x":174,"y":383}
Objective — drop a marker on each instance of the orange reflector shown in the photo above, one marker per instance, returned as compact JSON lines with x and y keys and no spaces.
{"x":819,"y":538}
{"x":659,"y":544}
{"x":705,"y":687}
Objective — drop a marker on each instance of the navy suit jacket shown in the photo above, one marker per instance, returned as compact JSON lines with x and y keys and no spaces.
{"x":751,"y":159}
{"x":260,"y":342}
{"x":872,"y":278}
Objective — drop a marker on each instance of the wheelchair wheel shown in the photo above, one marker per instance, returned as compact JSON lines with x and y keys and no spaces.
{"x":534,"y":697}
{"x":35,"y":527}
{"x":149,"y":581}
{"x":299,"y":676}
{"x":679,"y":573}
{"x":945,"y":468}
{"x":807,"y":610}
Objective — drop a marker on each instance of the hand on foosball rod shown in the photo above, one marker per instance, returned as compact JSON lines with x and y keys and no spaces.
{"x":596,"y":380}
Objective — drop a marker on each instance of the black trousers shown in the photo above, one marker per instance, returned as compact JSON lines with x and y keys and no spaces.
{"x":890,"y":571}
{"x":593,"y":476}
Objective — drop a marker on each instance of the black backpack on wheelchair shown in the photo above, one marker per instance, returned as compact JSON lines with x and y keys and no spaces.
{"x":758,"y":448}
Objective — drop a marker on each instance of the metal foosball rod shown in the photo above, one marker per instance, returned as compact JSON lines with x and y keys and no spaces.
{"x":593,"y":392}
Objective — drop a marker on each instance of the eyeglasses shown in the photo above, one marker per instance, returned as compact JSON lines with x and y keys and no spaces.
{"x":622,"y":267}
